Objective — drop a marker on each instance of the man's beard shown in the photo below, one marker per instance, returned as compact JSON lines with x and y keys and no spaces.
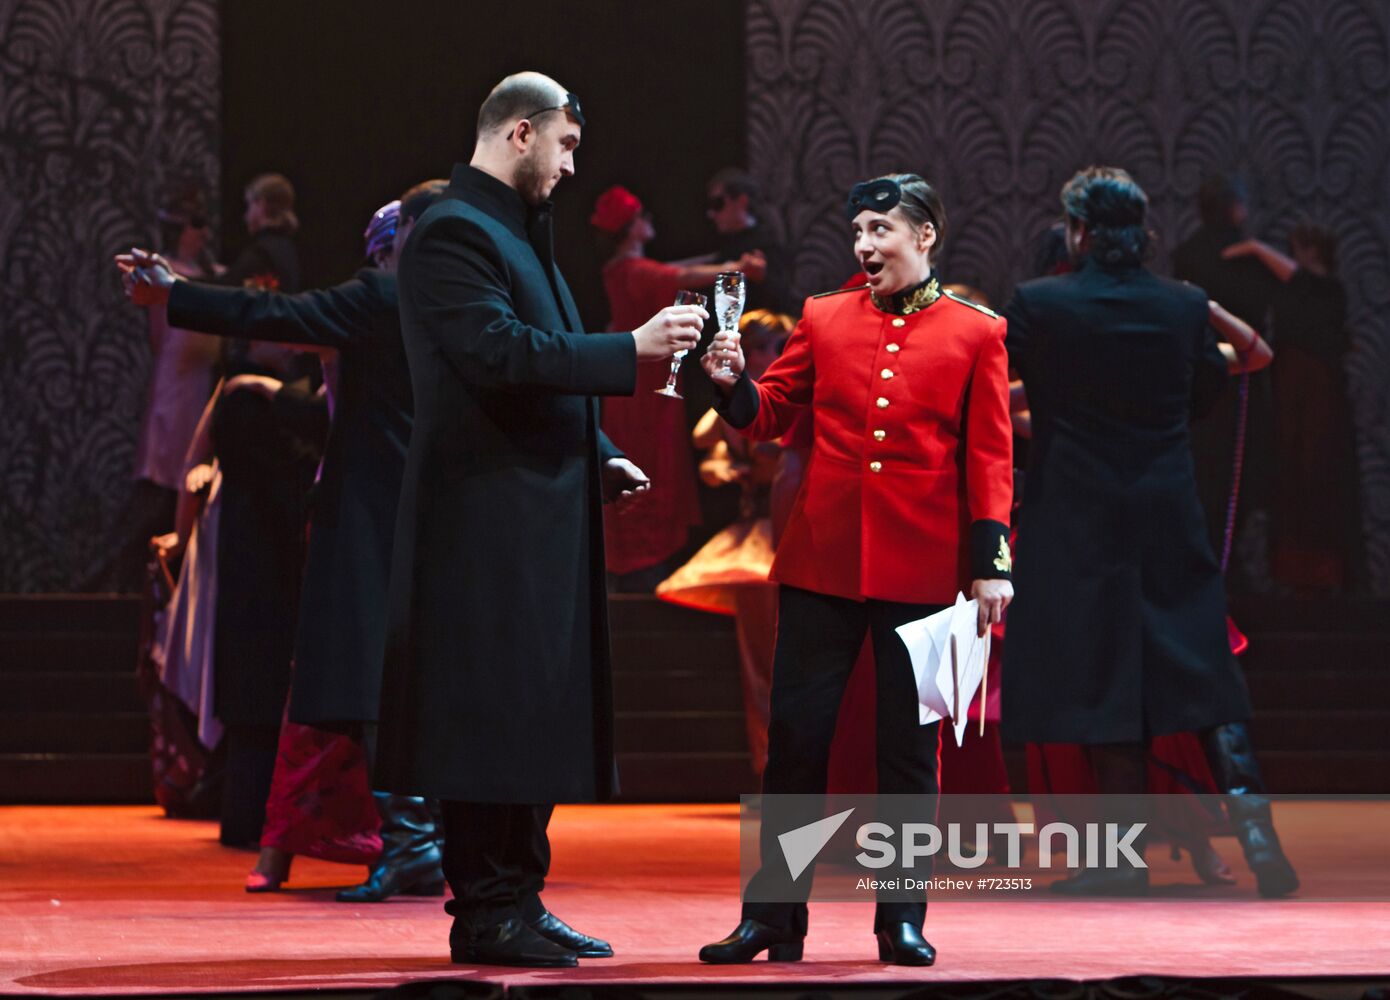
{"x":531,"y":182}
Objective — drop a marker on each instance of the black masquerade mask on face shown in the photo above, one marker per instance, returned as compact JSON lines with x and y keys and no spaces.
{"x":875,"y":196}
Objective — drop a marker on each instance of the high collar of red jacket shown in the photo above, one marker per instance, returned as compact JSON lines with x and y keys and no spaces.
{"x":909,"y":300}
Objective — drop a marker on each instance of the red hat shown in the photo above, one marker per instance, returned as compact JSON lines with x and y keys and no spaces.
{"x":614,"y":209}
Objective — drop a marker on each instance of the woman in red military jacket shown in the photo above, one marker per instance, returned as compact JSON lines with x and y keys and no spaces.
{"x":905,"y":502}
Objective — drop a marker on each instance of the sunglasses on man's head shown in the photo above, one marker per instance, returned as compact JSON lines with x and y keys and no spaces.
{"x":571,"y":105}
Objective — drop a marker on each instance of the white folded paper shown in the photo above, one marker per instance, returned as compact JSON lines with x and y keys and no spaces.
{"x":949,"y":661}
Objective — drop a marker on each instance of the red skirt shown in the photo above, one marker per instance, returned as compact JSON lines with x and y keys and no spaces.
{"x":320,"y":803}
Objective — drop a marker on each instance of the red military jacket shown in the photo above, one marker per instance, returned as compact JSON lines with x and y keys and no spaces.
{"x":907,"y":492}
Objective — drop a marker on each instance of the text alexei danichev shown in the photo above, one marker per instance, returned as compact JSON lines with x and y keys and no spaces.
{"x":941,"y":884}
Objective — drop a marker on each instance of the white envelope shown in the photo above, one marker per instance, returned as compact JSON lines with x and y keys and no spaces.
{"x":948,"y":663}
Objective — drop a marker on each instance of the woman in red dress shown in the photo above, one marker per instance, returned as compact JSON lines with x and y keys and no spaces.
{"x":650,"y":429}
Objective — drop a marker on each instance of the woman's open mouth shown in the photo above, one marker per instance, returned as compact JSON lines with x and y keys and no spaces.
{"x":872,"y":267}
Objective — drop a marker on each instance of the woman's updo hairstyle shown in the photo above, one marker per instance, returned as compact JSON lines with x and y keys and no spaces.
{"x":920,"y":204}
{"x":1113,"y":207}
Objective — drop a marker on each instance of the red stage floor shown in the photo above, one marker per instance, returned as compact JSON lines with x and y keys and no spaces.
{"x":122,"y":900}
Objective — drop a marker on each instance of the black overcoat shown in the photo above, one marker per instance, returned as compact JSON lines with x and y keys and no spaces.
{"x":341,"y":635}
{"x":1118,"y":630}
{"x":497,"y":680}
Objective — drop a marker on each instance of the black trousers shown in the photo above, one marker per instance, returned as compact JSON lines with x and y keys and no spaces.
{"x":250,"y":767}
{"x":496,"y":858}
{"x":818,"y":641}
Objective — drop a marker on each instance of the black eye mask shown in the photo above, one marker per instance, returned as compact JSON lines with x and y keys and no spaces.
{"x":876,"y":196}
{"x":572,"y":103}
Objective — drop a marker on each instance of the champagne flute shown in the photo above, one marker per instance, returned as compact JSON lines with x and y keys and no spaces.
{"x":730,"y":290}
{"x":683,"y":298}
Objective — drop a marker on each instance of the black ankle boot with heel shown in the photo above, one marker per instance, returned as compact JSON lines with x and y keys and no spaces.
{"x":410,"y":859}
{"x":1231,"y":757}
{"x":750,"y":939}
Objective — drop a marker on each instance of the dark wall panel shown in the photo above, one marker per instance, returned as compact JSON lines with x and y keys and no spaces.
{"x":102,"y":103}
{"x":356,"y":101}
{"x":1000,"y":101}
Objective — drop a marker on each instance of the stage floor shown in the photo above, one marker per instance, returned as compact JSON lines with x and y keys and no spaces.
{"x":122,"y":900}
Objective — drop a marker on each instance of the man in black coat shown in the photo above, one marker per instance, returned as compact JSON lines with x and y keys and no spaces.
{"x":1122,"y":634}
{"x":341,"y":631}
{"x":496,"y":694}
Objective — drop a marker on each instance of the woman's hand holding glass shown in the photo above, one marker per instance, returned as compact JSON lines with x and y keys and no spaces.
{"x":723,"y":359}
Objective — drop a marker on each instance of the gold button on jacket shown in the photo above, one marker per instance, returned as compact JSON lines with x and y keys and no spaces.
{"x":882,"y":403}
{"x":875,"y":466}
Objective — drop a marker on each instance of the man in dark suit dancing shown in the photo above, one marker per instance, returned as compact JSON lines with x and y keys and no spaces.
{"x":341,"y":630}
{"x":496,"y":694}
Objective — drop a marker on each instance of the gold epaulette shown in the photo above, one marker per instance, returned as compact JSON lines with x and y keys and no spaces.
{"x":840,"y":291}
{"x":966,"y":302}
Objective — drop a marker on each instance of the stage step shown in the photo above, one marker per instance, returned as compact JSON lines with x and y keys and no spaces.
{"x":72,"y":724}
{"x":73,"y":727}
{"x":678,"y":726}
{"x":72,"y":732}
{"x":104,"y":777}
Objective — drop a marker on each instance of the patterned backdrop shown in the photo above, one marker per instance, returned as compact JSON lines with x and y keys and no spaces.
{"x":101,"y":103}
{"x":998,"y":102}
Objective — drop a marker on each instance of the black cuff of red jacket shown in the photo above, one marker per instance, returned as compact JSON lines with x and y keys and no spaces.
{"x":740,"y":406}
{"x":990,"y":557}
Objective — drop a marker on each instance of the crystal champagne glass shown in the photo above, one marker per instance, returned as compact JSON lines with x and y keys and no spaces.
{"x":683,"y":298}
{"x":730,"y":291}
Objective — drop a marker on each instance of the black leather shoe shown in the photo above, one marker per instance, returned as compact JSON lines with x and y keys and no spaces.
{"x":903,"y":944}
{"x":1105,"y":882}
{"x":751,"y":938}
{"x":410,"y":860}
{"x":512,"y":942}
{"x":552,"y":928}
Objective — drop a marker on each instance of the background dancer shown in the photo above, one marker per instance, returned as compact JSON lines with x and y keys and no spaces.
{"x":341,"y":633}
{"x":1120,"y":633}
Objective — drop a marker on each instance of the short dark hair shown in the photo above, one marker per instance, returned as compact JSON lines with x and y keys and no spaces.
{"x":517,"y":95}
{"x":921,"y":204}
{"x":1113,"y":207}
{"x":1217,"y":195}
{"x":736,"y":181}
{"x":1319,"y":239}
{"x":420,"y":197}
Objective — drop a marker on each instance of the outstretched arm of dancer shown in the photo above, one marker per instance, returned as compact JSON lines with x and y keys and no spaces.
{"x":1281,"y":265}
{"x":1244,"y":349}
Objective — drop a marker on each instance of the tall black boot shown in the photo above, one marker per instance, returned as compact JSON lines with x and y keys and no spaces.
{"x":1231,"y":758}
{"x":410,"y":859}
